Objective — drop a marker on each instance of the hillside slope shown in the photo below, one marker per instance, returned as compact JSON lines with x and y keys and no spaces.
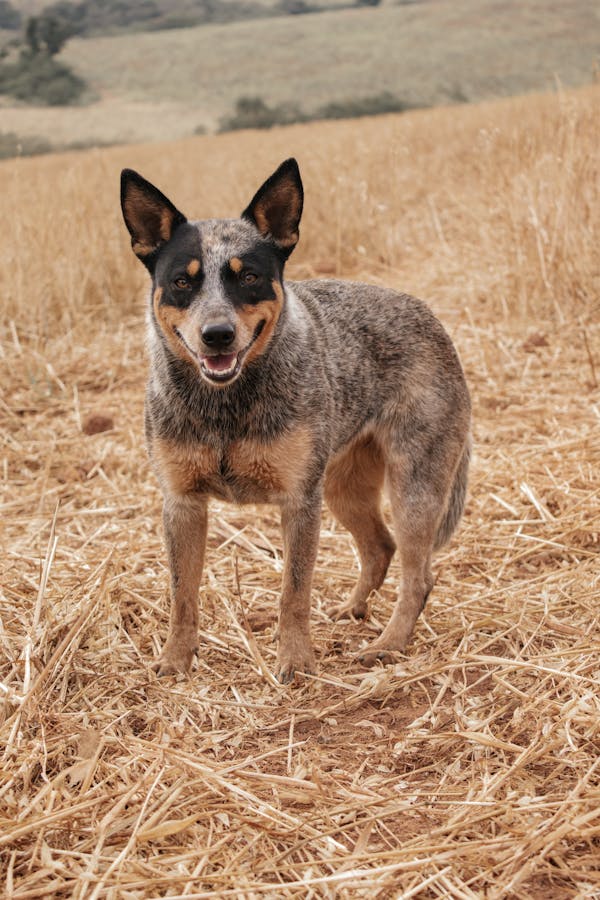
{"x":165,"y":84}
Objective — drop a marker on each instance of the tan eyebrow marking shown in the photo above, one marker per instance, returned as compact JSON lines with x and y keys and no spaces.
{"x":193,"y":267}
{"x":235,"y":264}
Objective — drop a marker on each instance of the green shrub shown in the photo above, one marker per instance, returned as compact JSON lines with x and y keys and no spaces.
{"x":376,"y":105}
{"x":294,"y":7}
{"x":93,"y":17}
{"x":38,"y":78}
{"x":253,"y":112}
{"x":34,"y":75}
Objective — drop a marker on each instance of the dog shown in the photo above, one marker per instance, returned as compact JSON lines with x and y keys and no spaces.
{"x":268,"y":391}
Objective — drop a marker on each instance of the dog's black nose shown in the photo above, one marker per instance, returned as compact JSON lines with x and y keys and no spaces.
{"x":218,"y":335}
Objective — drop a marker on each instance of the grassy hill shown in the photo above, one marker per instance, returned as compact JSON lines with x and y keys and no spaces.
{"x":166,"y":84}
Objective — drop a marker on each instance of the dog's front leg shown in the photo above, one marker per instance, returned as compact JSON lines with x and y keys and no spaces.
{"x":185,"y":521}
{"x":300,"y":522}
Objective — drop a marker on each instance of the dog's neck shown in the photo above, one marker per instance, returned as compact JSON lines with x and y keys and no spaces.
{"x":256,"y":403}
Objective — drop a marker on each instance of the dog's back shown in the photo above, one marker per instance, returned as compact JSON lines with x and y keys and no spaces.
{"x":383,"y":357}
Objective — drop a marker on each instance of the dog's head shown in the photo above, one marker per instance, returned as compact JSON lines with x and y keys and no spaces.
{"x":217,"y":288}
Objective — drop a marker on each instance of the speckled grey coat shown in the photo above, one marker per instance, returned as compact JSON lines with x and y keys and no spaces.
{"x":263,"y":390}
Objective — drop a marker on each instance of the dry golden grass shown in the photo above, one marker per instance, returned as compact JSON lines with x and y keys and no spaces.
{"x":472,"y":768}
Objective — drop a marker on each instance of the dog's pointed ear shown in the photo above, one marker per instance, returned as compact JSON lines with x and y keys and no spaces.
{"x":150,"y":217}
{"x":276,"y":207}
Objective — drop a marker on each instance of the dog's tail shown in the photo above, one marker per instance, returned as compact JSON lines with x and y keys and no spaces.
{"x":456,"y":500}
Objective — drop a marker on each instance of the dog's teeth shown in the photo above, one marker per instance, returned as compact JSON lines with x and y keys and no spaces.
{"x":219,"y":374}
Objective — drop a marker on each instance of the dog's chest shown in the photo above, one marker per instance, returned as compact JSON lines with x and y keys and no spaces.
{"x":244,"y":471}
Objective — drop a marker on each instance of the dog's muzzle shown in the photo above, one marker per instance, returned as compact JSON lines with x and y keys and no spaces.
{"x":216,"y":366}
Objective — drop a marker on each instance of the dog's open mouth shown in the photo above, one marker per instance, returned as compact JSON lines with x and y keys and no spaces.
{"x":221,"y":368}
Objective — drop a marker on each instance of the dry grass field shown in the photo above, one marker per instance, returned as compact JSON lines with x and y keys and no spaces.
{"x":163,"y":85}
{"x":471,"y":768}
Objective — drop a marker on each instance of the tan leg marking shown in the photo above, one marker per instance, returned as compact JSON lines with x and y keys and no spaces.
{"x":184,"y":471}
{"x":185,"y":525}
{"x":353,"y":484}
{"x":300,"y":522}
{"x":281,"y":467}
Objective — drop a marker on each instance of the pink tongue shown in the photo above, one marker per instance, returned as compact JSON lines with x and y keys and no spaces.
{"x":219,"y":363}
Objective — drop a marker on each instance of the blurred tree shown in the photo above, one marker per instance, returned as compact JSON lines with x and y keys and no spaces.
{"x":54,"y":32}
{"x":32,"y":41}
{"x":10,"y":18}
{"x":33,"y":74}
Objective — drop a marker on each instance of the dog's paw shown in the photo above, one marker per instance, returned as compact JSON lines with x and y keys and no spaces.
{"x":348,"y":610}
{"x":295,"y":660}
{"x":375,"y":653}
{"x":174,"y":659}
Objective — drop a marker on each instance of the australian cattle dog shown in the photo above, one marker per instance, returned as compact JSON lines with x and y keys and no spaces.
{"x":263,"y":390}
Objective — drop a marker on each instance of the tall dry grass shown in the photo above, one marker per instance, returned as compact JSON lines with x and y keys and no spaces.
{"x":494,"y":205}
{"x":470,"y":769}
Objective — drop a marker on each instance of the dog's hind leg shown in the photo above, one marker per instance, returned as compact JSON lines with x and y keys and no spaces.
{"x":353,"y":485}
{"x":420,"y":482}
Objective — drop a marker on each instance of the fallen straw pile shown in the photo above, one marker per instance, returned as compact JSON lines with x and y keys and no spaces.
{"x":469,"y":769}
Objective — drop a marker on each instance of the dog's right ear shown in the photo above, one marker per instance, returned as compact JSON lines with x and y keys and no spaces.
{"x":150,"y":217}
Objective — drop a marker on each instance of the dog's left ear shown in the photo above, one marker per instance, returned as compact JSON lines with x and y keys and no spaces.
{"x":276,"y":207}
{"x":150,"y":217}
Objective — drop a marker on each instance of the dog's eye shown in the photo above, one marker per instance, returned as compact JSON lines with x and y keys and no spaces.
{"x":248,"y":278}
{"x":181,"y":283}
